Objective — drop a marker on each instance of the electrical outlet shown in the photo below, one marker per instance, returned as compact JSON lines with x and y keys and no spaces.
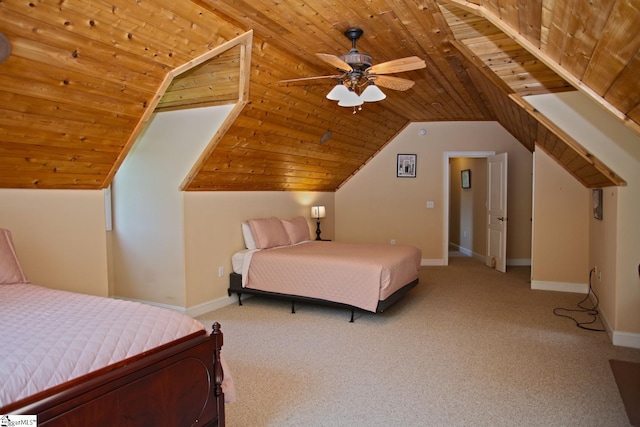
{"x":393,"y":241}
{"x":597,"y":272}
{"x":221,"y":271}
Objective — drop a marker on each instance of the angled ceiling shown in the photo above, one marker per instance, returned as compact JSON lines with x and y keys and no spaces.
{"x":83,"y":77}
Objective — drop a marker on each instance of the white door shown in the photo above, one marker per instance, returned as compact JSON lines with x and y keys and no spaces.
{"x":497,"y":212}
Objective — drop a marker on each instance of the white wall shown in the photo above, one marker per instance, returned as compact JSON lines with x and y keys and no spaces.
{"x":213,"y":234}
{"x":59,"y":237}
{"x":619,"y":149}
{"x":375,"y":206}
{"x":561,"y":228}
{"x":148,"y":221}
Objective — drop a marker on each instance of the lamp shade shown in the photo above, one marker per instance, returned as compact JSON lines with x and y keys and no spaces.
{"x":318,"y":212}
{"x":351,"y":100}
{"x":372,"y":93}
{"x":338,"y":92}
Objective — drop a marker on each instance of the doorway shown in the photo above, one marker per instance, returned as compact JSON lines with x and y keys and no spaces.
{"x":465,"y":208}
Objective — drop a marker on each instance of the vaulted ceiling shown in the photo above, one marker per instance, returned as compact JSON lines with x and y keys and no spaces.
{"x":84,"y":77}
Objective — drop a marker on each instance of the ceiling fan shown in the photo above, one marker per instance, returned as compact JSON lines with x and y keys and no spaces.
{"x":360,"y":78}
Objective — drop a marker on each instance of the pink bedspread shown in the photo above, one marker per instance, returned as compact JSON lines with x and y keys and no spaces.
{"x":357,"y":274}
{"x":50,"y":337}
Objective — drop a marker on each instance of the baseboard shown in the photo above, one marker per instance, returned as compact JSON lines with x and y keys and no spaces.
{"x":200,"y":309}
{"x":196,"y":310}
{"x":579,"y":288}
{"x":619,"y":338}
{"x":526,"y":262}
{"x":465,"y":251}
{"x":431,"y":262}
{"x":153,"y":303}
{"x":626,"y":339}
{"x":603,"y":318}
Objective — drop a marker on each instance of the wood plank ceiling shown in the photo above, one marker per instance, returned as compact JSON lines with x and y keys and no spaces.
{"x":84,"y":76}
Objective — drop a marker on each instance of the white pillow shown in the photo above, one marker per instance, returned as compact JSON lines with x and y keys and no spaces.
{"x":249,"y":241}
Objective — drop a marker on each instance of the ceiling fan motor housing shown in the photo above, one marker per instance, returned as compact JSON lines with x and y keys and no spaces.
{"x":358,"y":61}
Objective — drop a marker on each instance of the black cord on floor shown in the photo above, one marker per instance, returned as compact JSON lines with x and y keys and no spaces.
{"x":591,"y":311}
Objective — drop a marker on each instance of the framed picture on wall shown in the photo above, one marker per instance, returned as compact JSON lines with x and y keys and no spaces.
{"x":406,"y":167}
{"x":597,"y":203}
{"x":465,"y":176}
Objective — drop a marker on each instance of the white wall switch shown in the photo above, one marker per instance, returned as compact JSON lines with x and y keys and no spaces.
{"x":430,"y":204}
{"x":221,"y":271}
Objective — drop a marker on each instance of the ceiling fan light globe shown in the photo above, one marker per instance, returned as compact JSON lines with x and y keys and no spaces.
{"x":338,"y":92}
{"x":351,"y":100}
{"x":372,"y":93}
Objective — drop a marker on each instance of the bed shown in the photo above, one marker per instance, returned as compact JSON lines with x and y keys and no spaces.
{"x":73,"y":359}
{"x":280,"y":261}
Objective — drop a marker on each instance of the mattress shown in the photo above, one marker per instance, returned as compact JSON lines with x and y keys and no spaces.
{"x":356,"y":274}
{"x":50,"y":337}
{"x":240,"y":260}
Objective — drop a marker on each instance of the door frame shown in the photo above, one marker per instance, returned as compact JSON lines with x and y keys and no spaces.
{"x":447,"y":177}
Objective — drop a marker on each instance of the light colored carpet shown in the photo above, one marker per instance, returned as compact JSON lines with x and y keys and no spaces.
{"x":468,"y":346}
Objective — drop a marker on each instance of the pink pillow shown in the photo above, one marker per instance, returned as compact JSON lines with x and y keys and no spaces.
{"x":268,"y":232}
{"x":10,"y":270}
{"x":297,"y":229}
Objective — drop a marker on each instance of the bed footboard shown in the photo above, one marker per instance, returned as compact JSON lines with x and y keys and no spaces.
{"x":179,"y":384}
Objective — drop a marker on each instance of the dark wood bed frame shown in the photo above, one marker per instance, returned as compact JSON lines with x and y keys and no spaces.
{"x":235,"y":287}
{"x":177,"y":384}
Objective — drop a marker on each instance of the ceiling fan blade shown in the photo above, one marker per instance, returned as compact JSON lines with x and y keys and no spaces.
{"x":398,"y":65}
{"x":395,"y":83}
{"x":305,"y":79}
{"x":335,"y":61}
